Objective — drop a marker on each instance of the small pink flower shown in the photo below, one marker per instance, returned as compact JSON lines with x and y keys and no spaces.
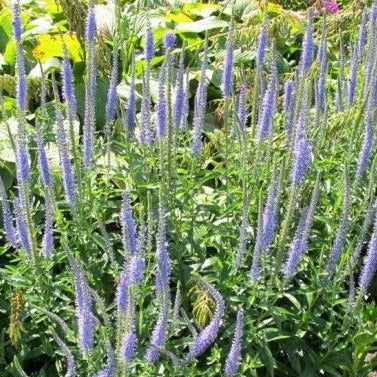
{"x":330,"y":6}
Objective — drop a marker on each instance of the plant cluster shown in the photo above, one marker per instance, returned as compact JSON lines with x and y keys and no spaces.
{"x":174,"y":241}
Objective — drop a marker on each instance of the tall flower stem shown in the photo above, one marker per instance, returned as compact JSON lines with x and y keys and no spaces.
{"x":245,"y":204}
{"x":170,"y":135}
{"x":292,"y":199}
{"x":255,"y":100}
{"x":226,"y":130}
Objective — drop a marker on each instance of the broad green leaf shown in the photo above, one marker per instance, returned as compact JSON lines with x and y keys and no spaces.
{"x":274,"y":8}
{"x":50,"y":65}
{"x":5,"y":28}
{"x":6,"y":151}
{"x":52,"y":152}
{"x":53,"y":7}
{"x":2,"y":60}
{"x":18,"y":367}
{"x":49,"y":46}
{"x":178,"y":17}
{"x":38,"y":26}
{"x":201,"y":10}
{"x":293,"y":300}
{"x":10,"y":53}
{"x":101,"y":98}
{"x":191,"y":39}
{"x":201,"y":25}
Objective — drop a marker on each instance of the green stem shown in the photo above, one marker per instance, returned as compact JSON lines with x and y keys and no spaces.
{"x":226,"y":130}
{"x":285,"y":226}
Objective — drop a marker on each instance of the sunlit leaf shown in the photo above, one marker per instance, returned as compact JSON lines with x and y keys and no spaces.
{"x":201,"y":25}
{"x":201,"y":10}
{"x":49,"y":46}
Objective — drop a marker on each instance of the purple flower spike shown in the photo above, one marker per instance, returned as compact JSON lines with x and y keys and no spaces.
{"x":112,"y":93}
{"x":84,"y":303}
{"x":200,"y":106}
{"x":131,"y":276}
{"x":23,"y":231}
{"x":7,"y":217}
{"x":135,"y":269}
{"x":65,"y":163}
{"x":179,"y":92}
{"x":243,"y":236}
{"x":162,"y":104}
{"x":122,"y":293}
{"x":90,"y":104}
{"x":68,"y":89}
{"x":255,"y":265}
{"x":158,"y":335}
{"x":299,"y":244}
{"x":234,"y":356}
{"x":302,"y":158}
{"x":269,"y":217}
{"x":373,"y":15}
{"x":162,"y":254}
{"x":370,"y":263}
{"x":185,"y":107}
{"x":71,"y":365}
{"x":48,"y":237}
{"x":21,"y":89}
{"x":16,"y":22}
{"x":87,"y":132}
{"x":288,"y":106}
{"x":262,"y":43}
{"x":204,"y":340}
{"x":362,"y":38}
{"x":268,"y":110}
{"x":301,"y":154}
{"x":128,"y":224}
{"x":91,"y":26}
{"x":149,"y":44}
{"x":131,"y":101}
{"x":321,"y":84}
{"x":129,"y":343}
{"x":242,"y":112}
{"x":352,"y":79}
{"x":368,"y":141}
{"x":23,"y":167}
{"x":300,"y":241}
{"x":146,"y":133}
{"x":227,"y":78}
{"x":307,"y":46}
{"x":340,"y":238}
{"x":110,"y":368}
{"x":366,"y":150}
{"x":43,"y":164}
{"x":169,"y":41}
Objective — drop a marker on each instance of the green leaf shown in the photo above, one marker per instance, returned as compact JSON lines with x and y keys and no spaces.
{"x":49,"y":46}
{"x":6,"y":150}
{"x":38,"y":26}
{"x":293,"y":300}
{"x":266,"y":356}
{"x":2,"y":60}
{"x":201,"y":25}
{"x":201,"y":10}
{"x":51,"y":64}
{"x":5,"y":28}
{"x":178,"y":17}
{"x":101,"y":98}
{"x":18,"y":367}
{"x":10,"y":53}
